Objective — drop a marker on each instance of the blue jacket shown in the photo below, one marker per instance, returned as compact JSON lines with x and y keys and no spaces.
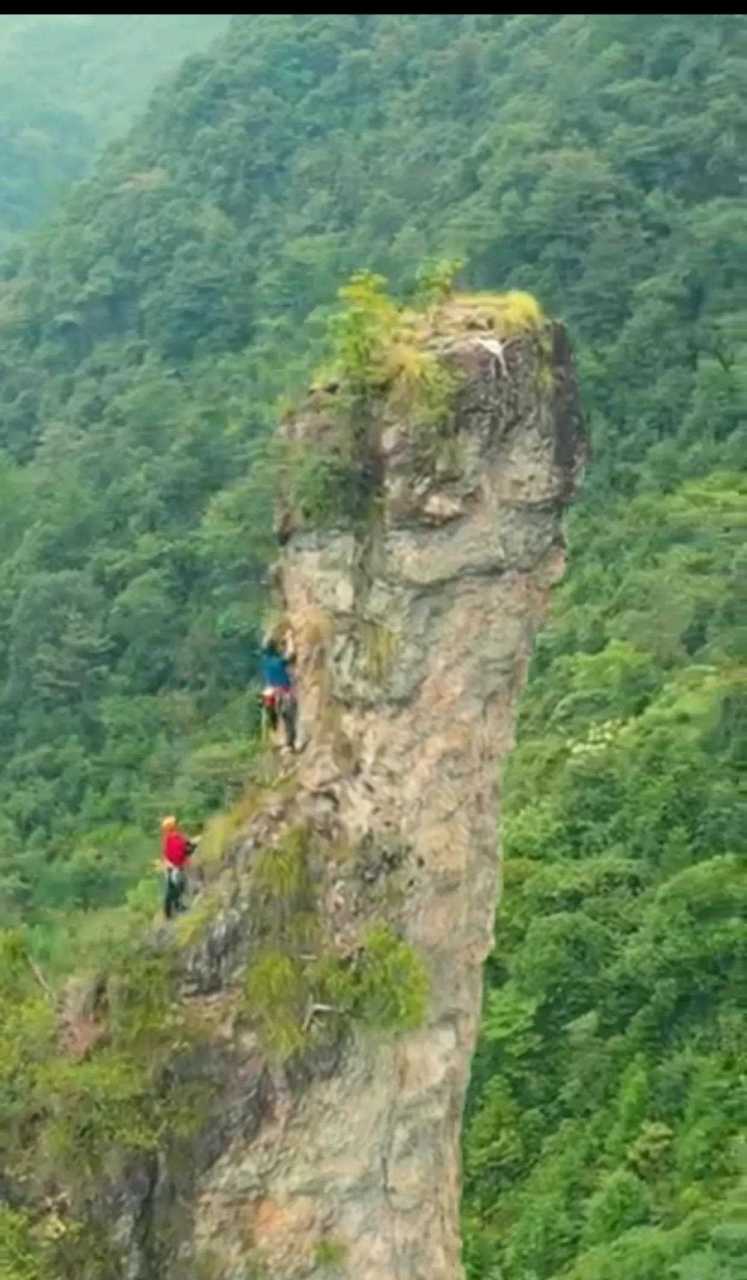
{"x":275,"y":670}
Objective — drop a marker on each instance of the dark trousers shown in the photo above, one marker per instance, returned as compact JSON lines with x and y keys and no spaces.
{"x":284,"y":709}
{"x":176,"y":884}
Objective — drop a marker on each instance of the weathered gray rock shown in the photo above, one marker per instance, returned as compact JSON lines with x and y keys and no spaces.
{"x":413,"y":640}
{"x":413,"y":648}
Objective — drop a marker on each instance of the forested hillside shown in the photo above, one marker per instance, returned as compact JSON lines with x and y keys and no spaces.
{"x":596,"y":161}
{"x":72,"y":81}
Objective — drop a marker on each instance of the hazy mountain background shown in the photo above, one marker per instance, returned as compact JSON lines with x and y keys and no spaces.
{"x":70,"y":82}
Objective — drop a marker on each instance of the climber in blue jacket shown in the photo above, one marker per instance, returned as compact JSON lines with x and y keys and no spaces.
{"x":278,"y":687}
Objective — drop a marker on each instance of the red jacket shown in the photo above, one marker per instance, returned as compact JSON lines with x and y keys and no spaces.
{"x":175,"y":848}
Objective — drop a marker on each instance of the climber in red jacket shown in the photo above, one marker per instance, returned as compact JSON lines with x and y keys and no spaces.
{"x":176,"y":849}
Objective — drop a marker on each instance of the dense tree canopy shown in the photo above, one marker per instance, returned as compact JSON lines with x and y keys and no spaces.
{"x":72,"y":81}
{"x":595,"y":160}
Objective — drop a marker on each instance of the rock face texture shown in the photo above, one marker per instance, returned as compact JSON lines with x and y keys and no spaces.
{"x":413,"y":634}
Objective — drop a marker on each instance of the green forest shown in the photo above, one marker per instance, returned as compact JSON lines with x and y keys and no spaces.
{"x":71,"y":82}
{"x":150,"y":329}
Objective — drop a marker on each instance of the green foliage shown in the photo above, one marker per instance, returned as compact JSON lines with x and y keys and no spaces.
{"x":96,"y":1106}
{"x":610,"y":1020}
{"x":282,"y":871}
{"x":435,"y":279}
{"x":361,"y":334}
{"x":286,"y":907}
{"x":391,"y":985}
{"x":326,"y":487}
{"x":276,"y":996}
{"x":141,"y":990}
{"x":330,"y":1254}
{"x":73,"y":81}
{"x":621,"y":1202}
{"x":510,"y":314}
{"x":84,"y":1089}
{"x":378,"y":348}
{"x":588,"y":165}
{"x":384,"y":986}
{"x":379,"y":647}
{"x":18,"y":1253}
{"x":378,"y":358}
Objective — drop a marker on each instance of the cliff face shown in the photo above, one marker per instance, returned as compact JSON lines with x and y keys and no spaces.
{"x":413,"y":636}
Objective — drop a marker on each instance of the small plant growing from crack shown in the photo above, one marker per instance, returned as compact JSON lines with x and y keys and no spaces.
{"x":330,"y":1254}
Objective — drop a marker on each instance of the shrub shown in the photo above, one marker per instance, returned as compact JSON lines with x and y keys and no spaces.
{"x":380,"y":645}
{"x":360,"y":333}
{"x":19,"y":1255}
{"x":330,"y":1254}
{"x":276,"y":994}
{"x":435,"y":279}
{"x":92,"y":1106}
{"x":620,"y":1203}
{"x":325,"y":488}
{"x":384,"y":987}
{"x":281,"y":871}
{"x":392,"y":984}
